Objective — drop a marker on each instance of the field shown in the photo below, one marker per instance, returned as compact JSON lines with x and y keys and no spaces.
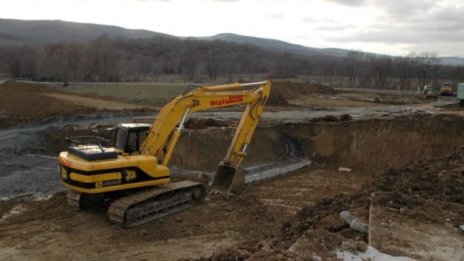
{"x":392,"y":159}
{"x":147,"y":94}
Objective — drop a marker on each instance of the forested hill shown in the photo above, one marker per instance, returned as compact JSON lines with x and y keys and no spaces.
{"x":52,"y":31}
{"x":62,"y":51}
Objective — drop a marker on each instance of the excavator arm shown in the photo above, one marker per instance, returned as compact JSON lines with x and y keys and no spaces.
{"x":166,"y":129}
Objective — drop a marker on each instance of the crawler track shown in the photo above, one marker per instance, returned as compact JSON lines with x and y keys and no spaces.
{"x":155,"y":203}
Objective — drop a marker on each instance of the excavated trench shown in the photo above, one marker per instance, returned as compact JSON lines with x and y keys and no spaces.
{"x":368,"y":146}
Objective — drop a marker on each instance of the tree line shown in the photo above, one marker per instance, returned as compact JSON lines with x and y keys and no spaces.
{"x":113,"y":60}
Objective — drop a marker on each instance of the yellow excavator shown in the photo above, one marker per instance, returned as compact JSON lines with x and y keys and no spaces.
{"x":133,"y":176}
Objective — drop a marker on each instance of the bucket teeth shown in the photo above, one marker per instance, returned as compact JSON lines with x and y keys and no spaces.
{"x":228,"y":178}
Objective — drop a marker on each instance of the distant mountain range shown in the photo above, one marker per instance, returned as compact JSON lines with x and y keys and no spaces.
{"x":48,"y":31}
{"x":276,"y":45}
{"x":282,"y":46}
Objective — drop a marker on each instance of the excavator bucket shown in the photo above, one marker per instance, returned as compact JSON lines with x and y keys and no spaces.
{"x":229,"y":178}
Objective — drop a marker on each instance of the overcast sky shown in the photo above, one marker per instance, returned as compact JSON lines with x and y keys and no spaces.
{"x":395,"y":27}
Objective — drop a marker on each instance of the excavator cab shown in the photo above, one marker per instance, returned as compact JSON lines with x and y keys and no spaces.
{"x":128,"y":137}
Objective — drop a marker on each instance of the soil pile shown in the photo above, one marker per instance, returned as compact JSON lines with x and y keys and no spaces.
{"x":331,"y":118}
{"x":283,"y":91}
{"x":195,"y":124}
{"x":430,"y":192}
{"x":54,"y":140}
{"x":23,"y":102}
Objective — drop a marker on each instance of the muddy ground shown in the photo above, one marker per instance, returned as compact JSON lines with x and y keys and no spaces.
{"x":398,"y":170}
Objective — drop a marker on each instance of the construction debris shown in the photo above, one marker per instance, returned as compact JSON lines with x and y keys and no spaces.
{"x":343,"y":169}
{"x":354,"y":222}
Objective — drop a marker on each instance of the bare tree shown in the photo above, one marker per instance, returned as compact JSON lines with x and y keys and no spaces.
{"x":21,"y":61}
{"x":426,"y":64}
{"x":189,"y":60}
{"x":105,"y":59}
{"x":213,"y":61}
{"x":61,"y":61}
{"x":351,"y":63}
{"x":381,"y":70}
{"x":102,"y":60}
{"x":403,"y":67}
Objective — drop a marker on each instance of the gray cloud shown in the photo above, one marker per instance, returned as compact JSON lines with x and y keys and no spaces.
{"x":425,"y":25}
{"x":332,"y":27}
{"x":404,"y":8}
{"x":449,"y":14}
{"x":348,"y":2}
{"x":436,"y":26}
{"x":276,"y":16}
{"x":309,"y":20}
{"x":405,"y":37}
{"x":449,"y":49}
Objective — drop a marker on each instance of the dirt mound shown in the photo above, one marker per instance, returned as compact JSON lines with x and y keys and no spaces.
{"x":282,"y":92}
{"x":53,"y":140}
{"x":331,"y":118}
{"x":195,"y":124}
{"x":23,"y":102}
{"x":430,"y":192}
{"x":39,"y":209}
{"x":439,"y":180}
{"x":318,"y":226}
{"x":292,"y":90}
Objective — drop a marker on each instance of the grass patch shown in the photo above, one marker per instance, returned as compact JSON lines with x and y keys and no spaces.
{"x":148,"y":94}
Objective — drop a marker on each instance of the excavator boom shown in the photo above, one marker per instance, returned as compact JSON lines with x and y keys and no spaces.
{"x":164,"y":134}
{"x":175,"y":112}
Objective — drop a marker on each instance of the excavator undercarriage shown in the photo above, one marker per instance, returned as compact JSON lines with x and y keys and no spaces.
{"x":134,"y":208}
